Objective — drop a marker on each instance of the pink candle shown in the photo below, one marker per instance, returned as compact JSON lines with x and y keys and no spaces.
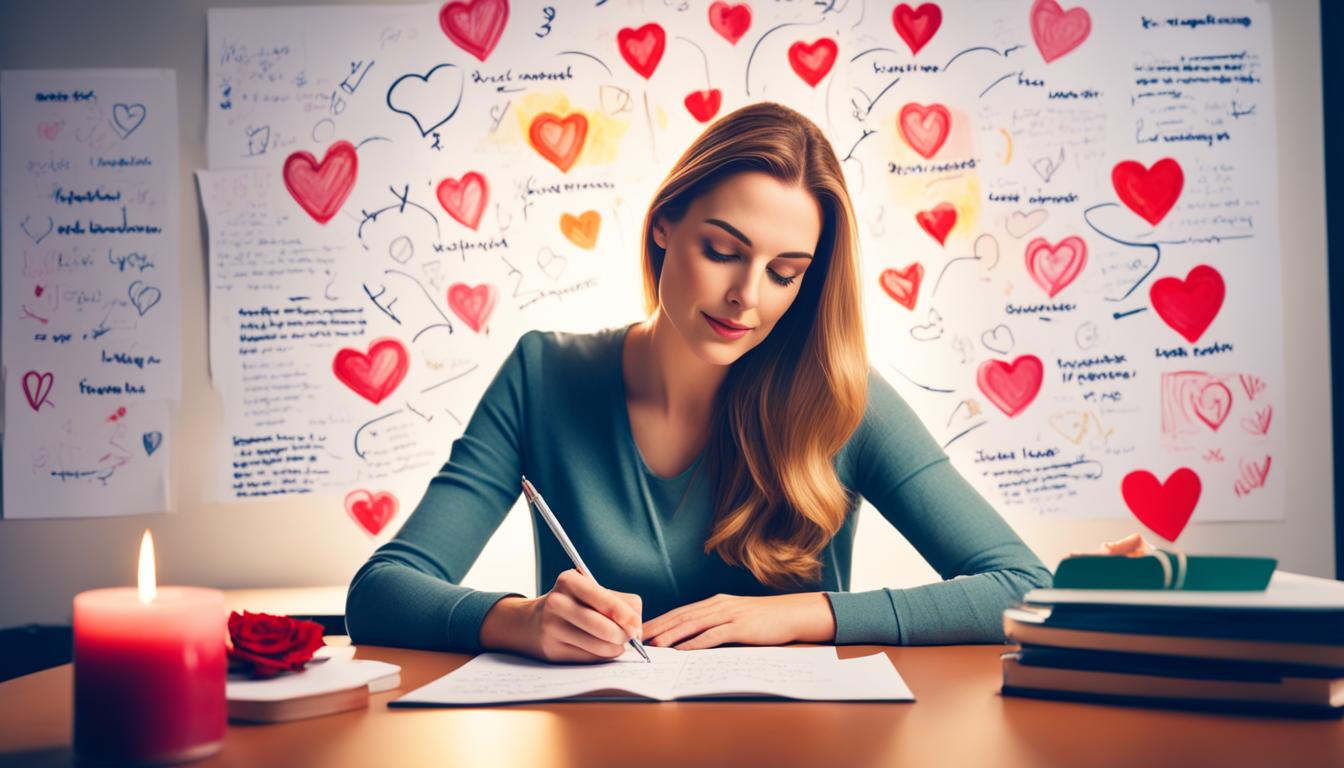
{"x":150,"y":668}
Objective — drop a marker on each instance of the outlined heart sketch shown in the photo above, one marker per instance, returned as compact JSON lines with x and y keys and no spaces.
{"x":429,"y":100}
{"x":127,"y":117}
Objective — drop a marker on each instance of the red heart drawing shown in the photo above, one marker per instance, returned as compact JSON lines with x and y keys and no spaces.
{"x":917,"y":27}
{"x":36,"y":387}
{"x":50,"y":130}
{"x":1057,"y":31}
{"x":642,"y":48}
{"x":473,"y":305}
{"x":1149,"y":192}
{"x":37,"y":291}
{"x":556,"y":139}
{"x":321,"y":188}
{"x":1164,"y":507}
{"x":924,"y":128}
{"x":371,"y":510}
{"x":1212,"y":404}
{"x":703,"y":105}
{"x":464,"y":199}
{"x":938,"y":221}
{"x":1011,"y":386}
{"x":812,"y":61}
{"x":1189,"y":305}
{"x":903,"y":284}
{"x":372,"y":376}
{"x":475,"y":25}
{"x":730,"y":21}
{"x":1054,"y":267}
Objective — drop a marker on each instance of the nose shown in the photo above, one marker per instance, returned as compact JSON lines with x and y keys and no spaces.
{"x":745,"y":289}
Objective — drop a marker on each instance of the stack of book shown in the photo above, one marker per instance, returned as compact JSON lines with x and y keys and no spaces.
{"x":1279,"y":650}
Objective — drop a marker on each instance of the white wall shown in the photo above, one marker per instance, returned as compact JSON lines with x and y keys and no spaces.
{"x":297,"y":542}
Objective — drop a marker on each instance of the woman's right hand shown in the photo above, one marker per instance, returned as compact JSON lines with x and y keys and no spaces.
{"x":578,"y":620}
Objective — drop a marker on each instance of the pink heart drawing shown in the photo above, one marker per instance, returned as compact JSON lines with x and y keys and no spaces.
{"x":1011,"y":386}
{"x":1054,"y":267}
{"x":472,"y":304}
{"x":1057,"y":31}
{"x":36,"y":387}
{"x":50,"y":130}
{"x":924,"y":128}
{"x":464,"y":199}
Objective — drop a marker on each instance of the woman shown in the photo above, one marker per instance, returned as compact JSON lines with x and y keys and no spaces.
{"x":708,"y":461}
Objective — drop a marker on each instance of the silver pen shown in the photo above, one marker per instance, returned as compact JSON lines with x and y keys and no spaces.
{"x":536,"y":500}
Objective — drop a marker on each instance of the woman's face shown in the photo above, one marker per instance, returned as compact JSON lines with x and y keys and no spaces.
{"x":735,"y":262}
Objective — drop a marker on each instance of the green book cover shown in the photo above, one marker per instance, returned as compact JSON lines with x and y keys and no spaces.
{"x":1165,"y":569}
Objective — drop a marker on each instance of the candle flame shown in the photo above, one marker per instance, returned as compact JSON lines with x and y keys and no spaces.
{"x":147,"y":582}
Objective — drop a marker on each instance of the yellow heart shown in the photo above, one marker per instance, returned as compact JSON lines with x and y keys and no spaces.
{"x":582,"y":229}
{"x":1071,"y":425}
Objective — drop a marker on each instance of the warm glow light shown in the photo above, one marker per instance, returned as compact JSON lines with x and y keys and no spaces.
{"x":148,"y":584}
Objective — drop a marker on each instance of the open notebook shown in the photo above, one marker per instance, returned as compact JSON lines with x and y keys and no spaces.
{"x":812,"y":674}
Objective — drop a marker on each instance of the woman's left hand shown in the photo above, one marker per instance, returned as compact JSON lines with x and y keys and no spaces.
{"x":771,"y":620}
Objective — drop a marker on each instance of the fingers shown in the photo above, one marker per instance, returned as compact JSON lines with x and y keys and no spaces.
{"x":676,"y":615}
{"x":595,"y":647}
{"x":714,"y":636}
{"x":690,"y":625}
{"x":622,"y":608}
{"x":589,"y":621}
{"x":1132,"y":544}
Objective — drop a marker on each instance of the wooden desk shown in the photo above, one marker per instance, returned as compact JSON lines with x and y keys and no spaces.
{"x":959,"y":719}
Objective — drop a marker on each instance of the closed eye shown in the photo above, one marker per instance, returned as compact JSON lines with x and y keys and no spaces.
{"x":714,"y":255}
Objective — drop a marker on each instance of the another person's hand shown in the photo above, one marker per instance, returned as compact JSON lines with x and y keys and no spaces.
{"x":1132,"y":545}
{"x":770,"y":620}
{"x":578,"y":620}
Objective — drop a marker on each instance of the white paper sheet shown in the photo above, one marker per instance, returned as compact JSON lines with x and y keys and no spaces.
{"x":92,"y":323}
{"x":794,"y":673}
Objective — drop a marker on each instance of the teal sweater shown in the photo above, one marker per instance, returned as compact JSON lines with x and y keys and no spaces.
{"x":556,"y":413}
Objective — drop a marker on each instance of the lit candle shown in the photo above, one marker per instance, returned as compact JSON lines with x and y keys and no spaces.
{"x":149,"y":670}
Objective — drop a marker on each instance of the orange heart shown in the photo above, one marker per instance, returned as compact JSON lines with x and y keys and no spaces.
{"x":903,"y":284}
{"x":582,"y":229}
{"x":558,"y":139}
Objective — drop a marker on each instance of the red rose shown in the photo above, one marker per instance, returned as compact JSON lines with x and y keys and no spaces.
{"x":272,"y":644}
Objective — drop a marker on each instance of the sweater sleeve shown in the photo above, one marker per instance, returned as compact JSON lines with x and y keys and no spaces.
{"x":409,"y":592}
{"x":986,"y":567}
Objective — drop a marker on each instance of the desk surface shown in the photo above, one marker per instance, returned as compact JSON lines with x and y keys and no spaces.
{"x":959,"y":719}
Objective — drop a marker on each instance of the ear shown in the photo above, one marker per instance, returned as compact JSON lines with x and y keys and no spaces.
{"x":660,"y":231}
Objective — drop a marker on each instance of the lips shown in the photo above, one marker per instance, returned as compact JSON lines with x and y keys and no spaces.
{"x":730,"y":325}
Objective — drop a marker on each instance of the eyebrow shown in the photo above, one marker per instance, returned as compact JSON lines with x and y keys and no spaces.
{"x":730,"y":229}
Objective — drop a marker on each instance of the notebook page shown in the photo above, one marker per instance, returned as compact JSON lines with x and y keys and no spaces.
{"x":790,"y":673}
{"x":499,"y":678}
{"x":802,"y":673}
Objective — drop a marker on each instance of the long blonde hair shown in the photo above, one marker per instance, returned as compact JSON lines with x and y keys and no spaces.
{"x":787,"y":406}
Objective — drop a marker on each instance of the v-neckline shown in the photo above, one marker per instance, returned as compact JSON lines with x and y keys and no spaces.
{"x":628,"y":429}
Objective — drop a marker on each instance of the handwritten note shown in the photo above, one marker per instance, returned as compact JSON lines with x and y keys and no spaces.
{"x":813,"y":674}
{"x":1068,"y":220}
{"x":92,"y":323}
